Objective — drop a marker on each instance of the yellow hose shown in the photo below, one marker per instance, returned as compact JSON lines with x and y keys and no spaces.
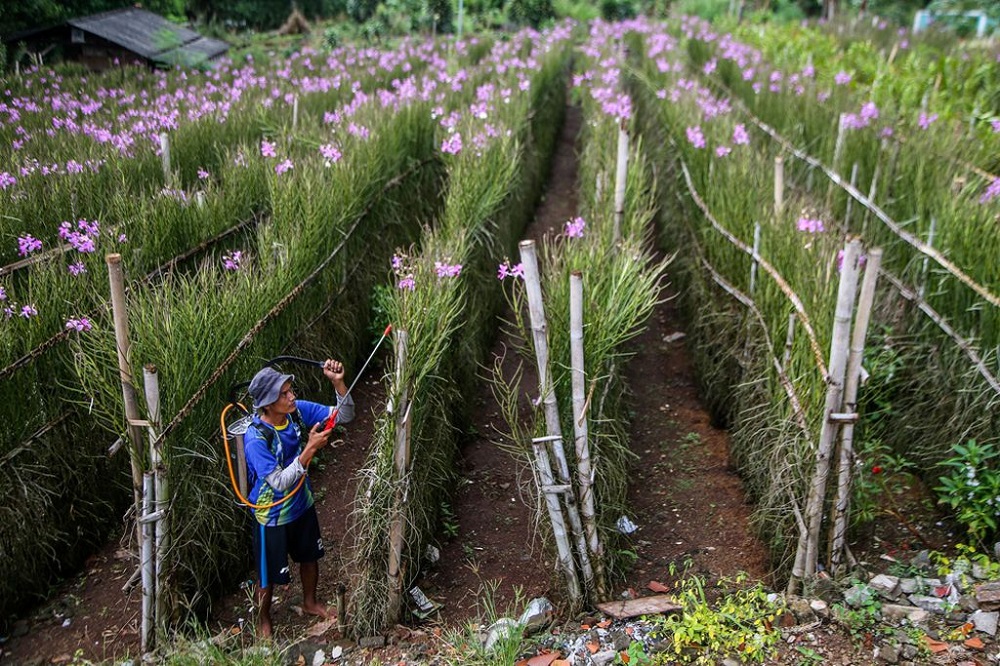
{"x":232,"y":474}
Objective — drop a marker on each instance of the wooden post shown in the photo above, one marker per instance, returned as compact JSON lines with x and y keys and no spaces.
{"x":756,"y":257}
{"x":585,"y":481}
{"x":838,"y":151}
{"x":923,"y":270}
{"x":834,"y":395}
{"x":621,"y":178}
{"x":295,"y":112}
{"x":401,"y":464}
{"x":851,"y":382}
{"x":563,"y":549}
{"x":168,"y":174}
{"x":120,"y":313}
{"x":779,"y":186}
{"x":146,"y":563}
{"x":151,"y":387}
{"x":789,"y":338}
{"x":850,"y":199}
{"x":536,"y":309}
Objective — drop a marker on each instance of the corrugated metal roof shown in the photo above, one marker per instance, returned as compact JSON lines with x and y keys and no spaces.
{"x":150,"y":35}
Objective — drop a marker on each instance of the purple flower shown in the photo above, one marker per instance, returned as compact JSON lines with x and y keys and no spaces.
{"x":574,"y":227}
{"x":122,"y":239}
{"x":28,"y":311}
{"x":452,"y":145}
{"x":810,"y":226}
{"x":992,"y":191}
{"x":232,"y":261}
{"x":282,"y":167}
{"x":3,"y":294}
{"x":27,"y":244}
{"x":925,"y":120}
{"x":840,"y":260}
{"x":722,"y":151}
{"x":888,"y":132}
{"x":82,"y":324}
{"x":359,"y":131}
{"x":6,"y":180}
{"x":740,"y":136}
{"x":447,"y":270}
{"x":330,"y":153}
{"x":202,"y":174}
{"x":267,"y":149}
{"x":397,"y":262}
{"x":506,"y":270}
{"x":407,"y":283}
{"x":695,"y":136}
{"x":77,"y":269}
{"x":995,"y":124}
{"x":842,"y":78}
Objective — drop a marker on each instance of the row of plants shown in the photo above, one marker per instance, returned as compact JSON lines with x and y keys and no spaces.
{"x":935,"y":395}
{"x":444,"y":299}
{"x":45,"y":472}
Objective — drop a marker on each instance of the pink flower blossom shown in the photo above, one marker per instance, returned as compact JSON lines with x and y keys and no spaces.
{"x":407,"y":283}
{"x":232,"y":261}
{"x":505,"y":270}
{"x":6,"y":180}
{"x":452,"y":145}
{"x":282,"y":167}
{"x":740,"y":136}
{"x":695,"y":136}
{"x":574,"y":227}
{"x":27,"y":244}
{"x":28,"y":311}
{"x":81,"y":325}
{"x":810,"y":226}
{"x":722,"y":151}
{"x":202,"y":174}
{"x":267,"y":149}
{"x":925,"y":120}
{"x":842,"y":78}
{"x":77,"y":269}
{"x":992,"y":191}
{"x":330,"y":153}
{"x":447,"y":270}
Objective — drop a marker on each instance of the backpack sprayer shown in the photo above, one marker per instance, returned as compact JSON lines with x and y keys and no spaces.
{"x":240,"y":427}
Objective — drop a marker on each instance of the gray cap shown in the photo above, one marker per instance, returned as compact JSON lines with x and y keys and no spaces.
{"x":265,"y":387}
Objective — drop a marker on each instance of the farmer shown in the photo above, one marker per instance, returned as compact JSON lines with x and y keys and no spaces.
{"x":282,"y":439}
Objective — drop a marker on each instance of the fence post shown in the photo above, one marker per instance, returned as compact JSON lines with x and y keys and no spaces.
{"x":119,"y":310}
{"x":779,"y":186}
{"x":168,"y":174}
{"x":585,"y":481}
{"x":834,"y":395}
{"x":621,"y":178}
{"x":536,"y":309}
{"x":401,"y":464}
{"x":755,"y":264}
{"x":565,"y":552}
{"x":151,"y":386}
{"x":295,"y":112}
{"x":146,"y":639}
{"x":923,"y":270}
{"x":851,"y":383}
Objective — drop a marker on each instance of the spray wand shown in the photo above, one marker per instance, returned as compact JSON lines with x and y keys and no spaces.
{"x":332,"y":421}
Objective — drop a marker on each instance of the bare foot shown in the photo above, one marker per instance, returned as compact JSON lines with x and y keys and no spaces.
{"x":317,"y":609}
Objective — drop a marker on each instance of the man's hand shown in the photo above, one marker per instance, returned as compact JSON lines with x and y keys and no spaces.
{"x":318,"y":438}
{"x":334,"y":371}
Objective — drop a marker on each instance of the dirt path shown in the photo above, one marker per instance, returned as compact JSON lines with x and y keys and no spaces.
{"x":686,"y":499}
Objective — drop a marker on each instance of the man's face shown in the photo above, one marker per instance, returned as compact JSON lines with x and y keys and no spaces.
{"x":285,"y":404}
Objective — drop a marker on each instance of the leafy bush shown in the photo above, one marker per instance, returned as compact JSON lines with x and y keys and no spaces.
{"x":531,"y":12}
{"x":972,"y":488}
{"x":709,"y":10}
{"x":617,"y":10}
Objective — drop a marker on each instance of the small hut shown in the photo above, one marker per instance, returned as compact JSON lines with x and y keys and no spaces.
{"x":129,"y":35}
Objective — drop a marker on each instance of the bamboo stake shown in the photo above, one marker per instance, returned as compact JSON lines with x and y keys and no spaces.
{"x":834,"y":394}
{"x":779,"y":186}
{"x":565,"y":553}
{"x":119,"y":312}
{"x":789,"y":339}
{"x":923,"y":271}
{"x":536,"y":309}
{"x":838,"y":151}
{"x":151,"y":387}
{"x":295,"y":112}
{"x":401,"y":463}
{"x":756,"y":257}
{"x":850,"y":200}
{"x":168,"y":174}
{"x":621,"y":177}
{"x":585,"y":475}
{"x":146,"y":639}
{"x":851,"y":383}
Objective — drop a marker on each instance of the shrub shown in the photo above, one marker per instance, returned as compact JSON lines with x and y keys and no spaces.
{"x":531,"y":12}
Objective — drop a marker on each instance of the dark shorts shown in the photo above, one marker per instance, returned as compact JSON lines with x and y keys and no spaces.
{"x":299,"y":539}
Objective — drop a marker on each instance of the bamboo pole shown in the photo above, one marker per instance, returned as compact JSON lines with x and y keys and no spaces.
{"x":564,"y":551}
{"x":295,"y":112}
{"x":838,"y":151}
{"x":779,"y":186}
{"x":850,"y":200}
{"x":851,"y":383}
{"x":116,"y":277}
{"x":168,"y":174}
{"x":146,"y":638}
{"x":151,"y":387}
{"x":536,"y":309}
{"x":834,"y":394}
{"x":756,"y":257}
{"x":789,"y":339}
{"x":923,"y":270}
{"x":621,"y":178}
{"x":585,"y":474}
{"x":401,"y":463}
